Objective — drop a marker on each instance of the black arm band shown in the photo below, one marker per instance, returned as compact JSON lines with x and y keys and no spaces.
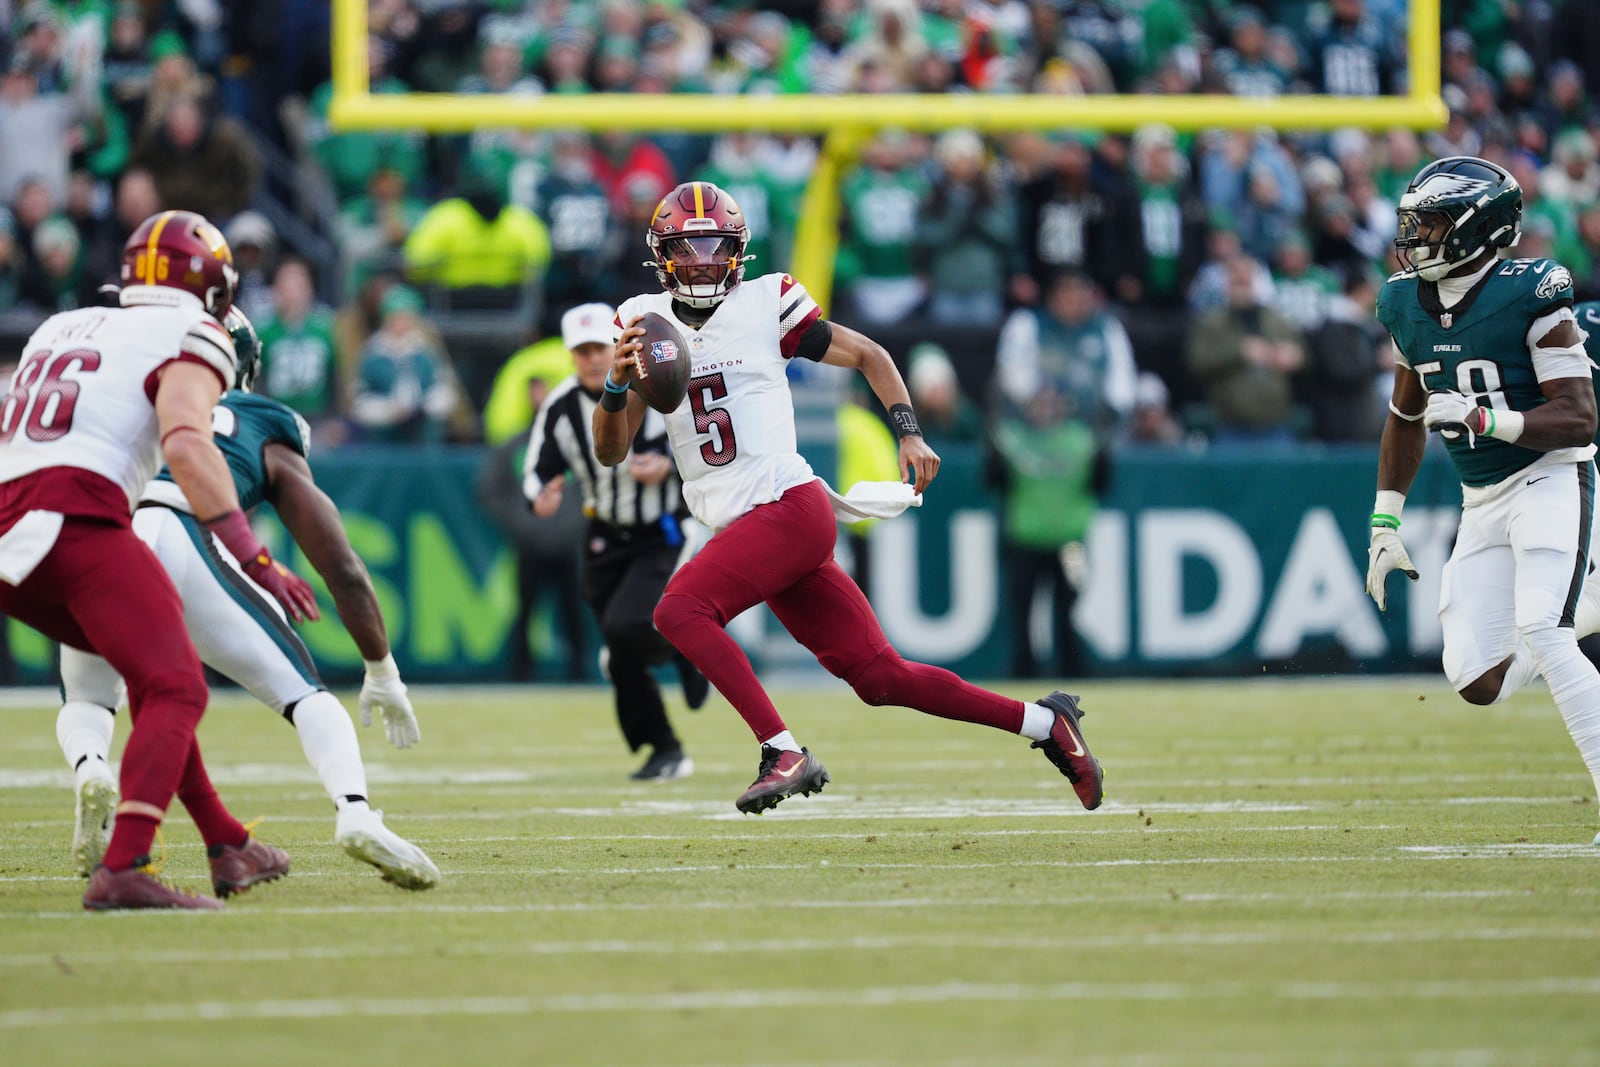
{"x":815,"y":341}
{"x":610,"y":401}
{"x":904,"y":421}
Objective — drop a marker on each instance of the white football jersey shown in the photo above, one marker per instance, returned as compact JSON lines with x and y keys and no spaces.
{"x":83,"y":395}
{"x":733,"y":436}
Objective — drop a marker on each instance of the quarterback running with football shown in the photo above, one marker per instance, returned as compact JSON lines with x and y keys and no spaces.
{"x":773,"y":522}
{"x":1489,"y":355}
{"x":240,"y":634}
{"x":102,"y":395}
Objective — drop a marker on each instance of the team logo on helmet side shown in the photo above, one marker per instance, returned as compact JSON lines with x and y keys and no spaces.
{"x":1441,"y":187}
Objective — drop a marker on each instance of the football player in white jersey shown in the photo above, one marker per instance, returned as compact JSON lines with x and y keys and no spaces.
{"x":101,"y":397}
{"x":733,"y":437}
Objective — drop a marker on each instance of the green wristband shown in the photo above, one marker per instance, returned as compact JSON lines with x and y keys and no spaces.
{"x":1380,"y":519}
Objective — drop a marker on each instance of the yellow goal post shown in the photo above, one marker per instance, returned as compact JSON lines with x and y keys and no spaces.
{"x":848,"y":120}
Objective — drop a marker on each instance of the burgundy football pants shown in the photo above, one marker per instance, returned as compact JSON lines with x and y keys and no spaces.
{"x":782,"y":553}
{"x":101,"y":589}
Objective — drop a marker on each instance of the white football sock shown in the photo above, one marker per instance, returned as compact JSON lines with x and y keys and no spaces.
{"x":1520,"y":673}
{"x":329,"y":739}
{"x":1575,"y":685}
{"x":784,"y":740}
{"x":84,"y":732}
{"x":1036,"y":721}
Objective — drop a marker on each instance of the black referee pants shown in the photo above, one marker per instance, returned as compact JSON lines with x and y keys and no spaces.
{"x":625,"y":571}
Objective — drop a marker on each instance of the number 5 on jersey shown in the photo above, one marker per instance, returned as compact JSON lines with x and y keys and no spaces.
{"x":716,"y":421}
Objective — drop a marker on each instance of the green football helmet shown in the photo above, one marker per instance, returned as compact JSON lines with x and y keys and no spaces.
{"x":247,"y":344}
{"x":1452,"y":211}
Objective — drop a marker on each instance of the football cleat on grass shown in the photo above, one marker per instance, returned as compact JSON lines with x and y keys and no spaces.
{"x":782,"y":773}
{"x":664,"y":765}
{"x":93,"y":810}
{"x":1066,"y":748}
{"x":235,"y":868}
{"x":137,"y":888}
{"x":362,"y":835}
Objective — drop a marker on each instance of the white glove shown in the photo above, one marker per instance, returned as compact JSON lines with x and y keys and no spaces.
{"x":1386,"y":553}
{"x":1452,"y":414}
{"x":382,"y":689}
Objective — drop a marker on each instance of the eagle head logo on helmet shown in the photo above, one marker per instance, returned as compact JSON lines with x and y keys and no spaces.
{"x":698,"y":236}
{"x":1453,"y":211}
{"x":180,"y":250}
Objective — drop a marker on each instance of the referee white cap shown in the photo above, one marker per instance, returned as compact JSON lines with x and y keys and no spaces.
{"x":586,"y":323}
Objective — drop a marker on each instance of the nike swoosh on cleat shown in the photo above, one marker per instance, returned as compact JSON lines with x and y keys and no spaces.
{"x":1077,"y":742}
{"x":792,"y":771}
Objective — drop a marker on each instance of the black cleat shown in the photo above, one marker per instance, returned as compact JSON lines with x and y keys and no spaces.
{"x":1066,"y":748}
{"x":783,"y":773}
{"x":664,"y":764}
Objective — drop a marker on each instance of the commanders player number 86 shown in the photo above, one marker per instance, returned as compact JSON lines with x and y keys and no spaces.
{"x":48,"y":397}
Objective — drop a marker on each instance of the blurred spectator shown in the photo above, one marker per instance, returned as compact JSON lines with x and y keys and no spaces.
{"x":30,"y":207}
{"x":1302,"y":291}
{"x":1072,"y":347}
{"x":629,"y":269}
{"x":1050,"y":473}
{"x":1210,"y":287}
{"x":1245,"y":355}
{"x":966,"y":230}
{"x":944,"y":412}
{"x":1071,"y":220}
{"x":136,"y":199}
{"x":11,"y":262}
{"x":1458,"y":138}
{"x":298,"y":359}
{"x":1399,"y":157}
{"x":892,"y":46}
{"x":55,"y":279}
{"x":1573,"y":176}
{"x":527,"y":377}
{"x":1350,"y":55}
{"x":620,"y":158}
{"x":373,"y":228}
{"x":1245,"y":67}
{"x":1344,"y":366}
{"x":130,"y":58}
{"x":349,"y":158}
{"x":39,"y":129}
{"x":1575,"y":34}
{"x":1114,"y":32}
{"x":477,"y":240}
{"x":1581,"y":255}
{"x":255,"y":253}
{"x":574,"y":206}
{"x":200,"y":162}
{"x":1153,"y":422}
{"x":1334,"y":237}
{"x":876,"y":268}
{"x":1172,"y":220}
{"x":406,"y":390}
{"x":1565,"y":105}
{"x":1266,"y":216}
{"x":1243,"y":171}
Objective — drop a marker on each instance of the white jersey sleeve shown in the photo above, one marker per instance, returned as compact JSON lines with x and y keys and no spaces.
{"x":733,"y":437}
{"x":84,"y":392}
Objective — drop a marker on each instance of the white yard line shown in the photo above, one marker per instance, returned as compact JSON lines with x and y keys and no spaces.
{"x":491,"y":949}
{"x":724,"y":1000}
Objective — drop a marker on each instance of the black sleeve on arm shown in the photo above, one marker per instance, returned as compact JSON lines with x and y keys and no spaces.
{"x":815,"y":341}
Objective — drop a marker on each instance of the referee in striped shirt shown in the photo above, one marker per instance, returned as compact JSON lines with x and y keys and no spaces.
{"x":634,"y":537}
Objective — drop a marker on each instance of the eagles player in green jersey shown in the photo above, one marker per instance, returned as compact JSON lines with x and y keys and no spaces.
{"x":239,"y":634}
{"x":1489,"y":355}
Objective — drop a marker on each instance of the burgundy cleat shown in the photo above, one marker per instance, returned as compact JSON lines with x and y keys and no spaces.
{"x":235,"y":868}
{"x":1066,"y":748}
{"x":135,"y":888}
{"x":783,"y":773}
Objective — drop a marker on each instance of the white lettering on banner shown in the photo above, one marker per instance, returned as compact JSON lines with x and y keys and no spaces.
{"x":974,"y":588}
{"x":1101,"y":614}
{"x":1165,"y":539}
{"x":1320,"y":592}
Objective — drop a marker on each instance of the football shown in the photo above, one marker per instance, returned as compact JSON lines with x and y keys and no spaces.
{"x":665,"y":358}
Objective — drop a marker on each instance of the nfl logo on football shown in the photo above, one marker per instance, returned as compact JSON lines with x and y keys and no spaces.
{"x":663,"y":351}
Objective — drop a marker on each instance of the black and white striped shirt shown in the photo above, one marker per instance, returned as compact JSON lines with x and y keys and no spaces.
{"x":561,"y":442}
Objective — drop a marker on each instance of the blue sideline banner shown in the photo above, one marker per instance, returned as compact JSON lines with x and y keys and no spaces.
{"x":1200,"y":564}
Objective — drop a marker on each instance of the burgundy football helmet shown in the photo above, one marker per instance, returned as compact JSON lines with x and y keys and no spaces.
{"x":181,"y":250}
{"x":699,"y":231}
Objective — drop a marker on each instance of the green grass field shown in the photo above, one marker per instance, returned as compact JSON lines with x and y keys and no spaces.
{"x":1296,"y":874}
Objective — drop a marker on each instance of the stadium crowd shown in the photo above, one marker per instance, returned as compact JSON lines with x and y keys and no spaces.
{"x":1236,"y":269}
